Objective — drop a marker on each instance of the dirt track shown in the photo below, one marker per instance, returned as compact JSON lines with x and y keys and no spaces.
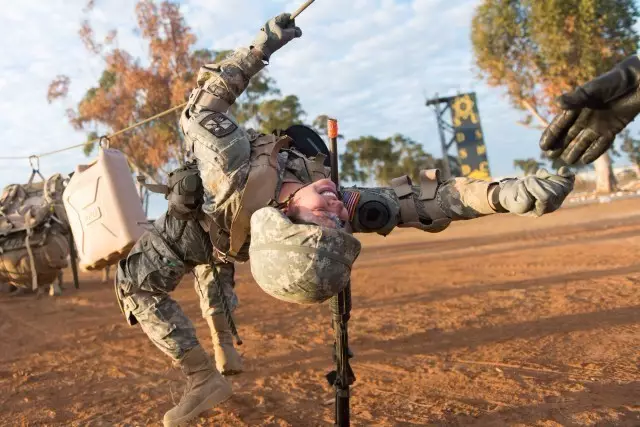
{"x":502,"y":321}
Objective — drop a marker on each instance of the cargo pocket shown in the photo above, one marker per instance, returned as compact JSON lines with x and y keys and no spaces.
{"x":128,"y":307}
{"x":155,"y":320}
{"x":122,"y":287}
{"x":155,"y":267}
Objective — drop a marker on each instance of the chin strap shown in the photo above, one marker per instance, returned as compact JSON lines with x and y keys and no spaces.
{"x":284,"y":205}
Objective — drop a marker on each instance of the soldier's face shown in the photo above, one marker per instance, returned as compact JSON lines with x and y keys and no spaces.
{"x":318,"y":203}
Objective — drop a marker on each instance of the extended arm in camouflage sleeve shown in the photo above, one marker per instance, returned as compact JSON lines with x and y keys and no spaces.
{"x":430,"y":207}
{"x":220,"y":84}
{"x":466,"y":198}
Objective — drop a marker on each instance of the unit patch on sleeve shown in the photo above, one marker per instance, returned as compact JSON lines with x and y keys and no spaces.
{"x":218,"y":125}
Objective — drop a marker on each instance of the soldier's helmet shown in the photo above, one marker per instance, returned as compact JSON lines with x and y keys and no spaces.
{"x":299,"y":263}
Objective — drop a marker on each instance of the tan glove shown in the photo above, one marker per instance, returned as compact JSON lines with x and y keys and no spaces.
{"x":536,"y":195}
{"x":276,"y":33}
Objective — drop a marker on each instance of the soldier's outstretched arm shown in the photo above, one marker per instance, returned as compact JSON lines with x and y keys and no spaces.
{"x":220,"y":84}
{"x":433,"y":205}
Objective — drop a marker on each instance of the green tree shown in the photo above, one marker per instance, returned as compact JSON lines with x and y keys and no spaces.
{"x":631,"y":147}
{"x":538,"y":49}
{"x":408,"y":158}
{"x":528,"y":166}
{"x":454,"y":165}
{"x":275,"y":114}
{"x":363,"y":156}
{"x":369,"y":158}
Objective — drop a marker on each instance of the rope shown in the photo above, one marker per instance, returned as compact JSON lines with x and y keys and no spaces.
{"x":121,"y":131}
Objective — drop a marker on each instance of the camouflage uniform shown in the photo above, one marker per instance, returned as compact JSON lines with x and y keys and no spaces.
{"x":154,"y":267}
{"x":163,"y":255}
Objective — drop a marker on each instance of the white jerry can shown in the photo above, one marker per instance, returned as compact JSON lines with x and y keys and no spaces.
{"x":104,"y":209}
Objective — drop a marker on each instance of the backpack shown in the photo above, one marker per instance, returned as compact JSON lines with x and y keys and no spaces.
{"x":34,"y":232}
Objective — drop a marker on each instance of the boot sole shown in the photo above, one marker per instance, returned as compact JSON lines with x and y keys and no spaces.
{"x":216,"y":398}
{"x":232,"y":372}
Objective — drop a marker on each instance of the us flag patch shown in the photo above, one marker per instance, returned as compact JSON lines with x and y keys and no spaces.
{"x":350,"y":200}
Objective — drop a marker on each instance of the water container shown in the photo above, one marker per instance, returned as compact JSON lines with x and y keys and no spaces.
{"x":104,"y":210}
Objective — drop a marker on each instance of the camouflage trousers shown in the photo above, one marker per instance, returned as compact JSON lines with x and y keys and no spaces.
{"x":154,"y":268}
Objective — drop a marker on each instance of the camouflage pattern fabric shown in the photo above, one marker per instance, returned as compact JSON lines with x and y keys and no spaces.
{"x":227,"y":79}
{"x":153,"y":269}
{"x":205,"y":288}
{"x":464,"y":199}
{"x":457,"y":198}
{"x":298,"y":263}
{"x":223,"y":162}
{"x":292,"y":262}
{"x":215,"y":139}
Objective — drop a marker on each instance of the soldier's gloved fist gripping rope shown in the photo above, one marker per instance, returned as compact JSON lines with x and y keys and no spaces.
{"x":533,"y":195}
{"x":276,"y":33}
{"x":594,"y":114}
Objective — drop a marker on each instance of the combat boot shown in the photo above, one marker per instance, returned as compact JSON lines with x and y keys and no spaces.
{"x":205,"y":388}
{"x":228,"y":360}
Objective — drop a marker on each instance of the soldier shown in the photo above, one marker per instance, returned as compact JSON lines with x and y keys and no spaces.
{"x":280,"y":208}
{"x":593,"y":114}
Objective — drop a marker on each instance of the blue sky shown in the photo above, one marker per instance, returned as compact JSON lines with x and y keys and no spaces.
{"x":370,"y":63}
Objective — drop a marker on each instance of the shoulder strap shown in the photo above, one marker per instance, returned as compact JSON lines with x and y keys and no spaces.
{"x":402,"y":186}
{"x":317,"y":169}
{"x":27,"y":243}
{"x":260,"y":188}
{"x":154,"y":188}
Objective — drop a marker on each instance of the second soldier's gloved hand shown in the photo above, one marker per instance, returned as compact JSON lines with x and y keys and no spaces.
{"x":537,"y":194}
{"x":594,"y":114}
{"x":275,"y":33}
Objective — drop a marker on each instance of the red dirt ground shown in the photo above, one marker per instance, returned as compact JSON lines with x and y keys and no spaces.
{"x":502,"y":321}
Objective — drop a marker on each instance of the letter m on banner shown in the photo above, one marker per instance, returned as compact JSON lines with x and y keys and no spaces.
{"x":465,"y":121}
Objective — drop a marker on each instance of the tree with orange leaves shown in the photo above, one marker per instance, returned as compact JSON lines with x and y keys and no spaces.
{"x":128,"y":92}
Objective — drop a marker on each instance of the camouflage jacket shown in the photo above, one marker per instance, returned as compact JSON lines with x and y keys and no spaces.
{"x":222,"y":148}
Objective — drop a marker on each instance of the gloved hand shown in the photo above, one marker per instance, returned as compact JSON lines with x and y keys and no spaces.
{"x":536,"y":195}
{"x":594,"y":114}
{"x":276,"y":33}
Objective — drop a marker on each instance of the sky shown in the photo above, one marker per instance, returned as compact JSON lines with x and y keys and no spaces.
{"x":370,"y":63}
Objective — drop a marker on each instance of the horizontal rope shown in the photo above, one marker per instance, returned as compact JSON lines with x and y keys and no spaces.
{"x":121,"y":131}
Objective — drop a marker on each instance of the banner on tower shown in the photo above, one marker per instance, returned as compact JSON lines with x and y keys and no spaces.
{"x":465,"y":120}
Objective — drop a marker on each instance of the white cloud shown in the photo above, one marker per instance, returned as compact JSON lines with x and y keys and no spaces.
{"x":370,"y":63}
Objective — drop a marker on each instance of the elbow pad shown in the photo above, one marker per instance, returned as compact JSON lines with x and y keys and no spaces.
{"x":421,"y":210}
{"x":220,"y":84}
{"x":380,"y":210}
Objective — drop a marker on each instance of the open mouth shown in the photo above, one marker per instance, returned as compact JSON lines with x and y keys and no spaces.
{"x":329,"y":194}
